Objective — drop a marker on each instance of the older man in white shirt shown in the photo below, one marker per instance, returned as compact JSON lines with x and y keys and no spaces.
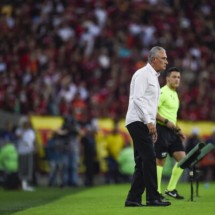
{"x":141,"y":124}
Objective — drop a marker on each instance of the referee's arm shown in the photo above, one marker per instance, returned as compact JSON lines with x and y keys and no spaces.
{"x":165,"y":121}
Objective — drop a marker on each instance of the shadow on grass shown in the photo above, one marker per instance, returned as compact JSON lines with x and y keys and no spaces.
{"x":14,"y":201}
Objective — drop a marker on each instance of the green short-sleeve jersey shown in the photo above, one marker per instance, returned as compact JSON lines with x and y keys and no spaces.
{"x":168,"y":104}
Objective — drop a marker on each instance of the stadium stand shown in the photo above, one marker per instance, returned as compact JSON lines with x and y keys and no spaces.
{"x":66,"y":56}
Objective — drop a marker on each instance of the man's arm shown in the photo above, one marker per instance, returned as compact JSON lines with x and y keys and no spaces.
{"x":139,"y":97}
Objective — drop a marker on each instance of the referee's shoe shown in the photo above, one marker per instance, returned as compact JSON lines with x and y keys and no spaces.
{"x":173,"y":194}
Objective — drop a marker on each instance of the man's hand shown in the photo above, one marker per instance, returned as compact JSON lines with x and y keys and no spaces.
{"x":154,"y":137}
{"x":152,"y":131}
{"x":152,"y":128}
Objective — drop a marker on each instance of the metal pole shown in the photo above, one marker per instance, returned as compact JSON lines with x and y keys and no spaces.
{"x":191,"y":184}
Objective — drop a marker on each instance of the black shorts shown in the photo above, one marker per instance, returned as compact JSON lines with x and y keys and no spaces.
{"x":168,"y":142}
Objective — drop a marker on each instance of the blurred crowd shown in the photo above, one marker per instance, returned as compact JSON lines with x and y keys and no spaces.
{"x":73,"y":156}
{"x":78,"y":154}
{"x":62,"y":57}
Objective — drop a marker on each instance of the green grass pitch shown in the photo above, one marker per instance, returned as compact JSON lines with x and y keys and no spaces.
{"x":101,"y":200}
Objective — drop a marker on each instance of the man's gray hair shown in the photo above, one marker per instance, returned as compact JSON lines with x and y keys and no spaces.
{"x":154,"y":52}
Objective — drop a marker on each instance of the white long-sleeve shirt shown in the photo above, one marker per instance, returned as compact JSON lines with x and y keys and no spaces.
{"x":144,"y":96}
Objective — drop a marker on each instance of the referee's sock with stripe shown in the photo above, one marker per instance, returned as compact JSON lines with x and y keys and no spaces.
{"x":176,"y":174}
{"x":159,"y":177}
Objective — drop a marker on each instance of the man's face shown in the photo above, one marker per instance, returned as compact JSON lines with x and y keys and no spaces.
{"x":173,"y":80}
{"x":160,"y":62}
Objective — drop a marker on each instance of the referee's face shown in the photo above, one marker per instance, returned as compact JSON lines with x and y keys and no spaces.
{"x":173,"y":80}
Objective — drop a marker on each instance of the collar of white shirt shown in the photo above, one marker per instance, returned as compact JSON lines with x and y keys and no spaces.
{"x":152,"y":70}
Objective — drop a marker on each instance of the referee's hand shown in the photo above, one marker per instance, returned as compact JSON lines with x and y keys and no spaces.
{"x":170,"y":125}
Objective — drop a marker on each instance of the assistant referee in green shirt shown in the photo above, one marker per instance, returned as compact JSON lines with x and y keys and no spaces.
{"x":170,"y":136}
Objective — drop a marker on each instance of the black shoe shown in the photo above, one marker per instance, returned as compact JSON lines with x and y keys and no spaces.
{"x":162,"y":197}
{"x":133,"y":204}
{"x":157,"y":203}
{"x":174,"y":194}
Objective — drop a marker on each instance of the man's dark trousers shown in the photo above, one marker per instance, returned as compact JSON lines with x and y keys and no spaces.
{"x":145,"y":175}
